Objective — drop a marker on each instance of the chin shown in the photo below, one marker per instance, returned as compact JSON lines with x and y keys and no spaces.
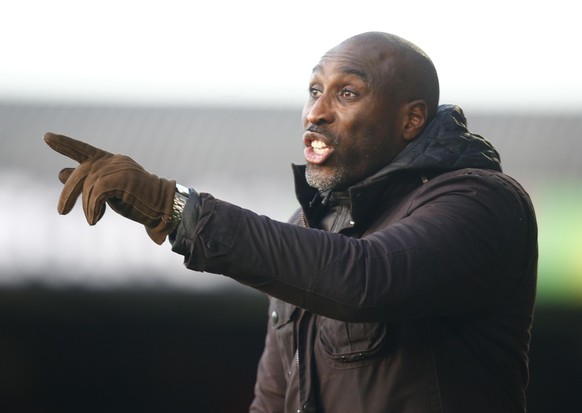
{"x":325,"y":179}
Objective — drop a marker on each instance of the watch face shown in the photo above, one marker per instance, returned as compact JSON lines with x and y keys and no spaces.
{"x":181,"y":189}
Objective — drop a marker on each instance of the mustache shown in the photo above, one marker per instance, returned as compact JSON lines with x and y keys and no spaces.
{"x":332,"y":137}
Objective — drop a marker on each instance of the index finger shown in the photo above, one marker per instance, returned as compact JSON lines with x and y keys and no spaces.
{"x":73,"y":148}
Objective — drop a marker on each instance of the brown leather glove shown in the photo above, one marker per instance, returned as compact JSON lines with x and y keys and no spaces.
{"x":118,"y":180}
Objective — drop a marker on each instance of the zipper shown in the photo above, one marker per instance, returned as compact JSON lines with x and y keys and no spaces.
{"x":304,"y":220}
{"x":305,"y":393}
{"x":297,"y":358}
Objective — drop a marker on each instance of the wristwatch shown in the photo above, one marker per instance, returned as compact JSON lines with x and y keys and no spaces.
{"x":180,"y":199}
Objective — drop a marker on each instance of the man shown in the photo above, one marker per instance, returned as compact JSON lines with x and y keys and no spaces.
{"x":405,"y":282}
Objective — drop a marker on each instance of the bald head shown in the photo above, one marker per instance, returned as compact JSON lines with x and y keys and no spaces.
{"x":404,"y":70}
{"x":368,"y":98}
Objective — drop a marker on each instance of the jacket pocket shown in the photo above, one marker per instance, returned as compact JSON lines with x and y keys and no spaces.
{"x":351,"y":344}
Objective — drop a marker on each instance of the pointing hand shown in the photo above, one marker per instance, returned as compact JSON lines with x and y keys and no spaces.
{"x":117,"y":180}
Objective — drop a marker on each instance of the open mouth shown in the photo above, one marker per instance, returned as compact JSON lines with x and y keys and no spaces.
{"x":316,"y":150}
{"x":319,"y":147}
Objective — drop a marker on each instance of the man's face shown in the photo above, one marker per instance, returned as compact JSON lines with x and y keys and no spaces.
{"x":352,"y":118}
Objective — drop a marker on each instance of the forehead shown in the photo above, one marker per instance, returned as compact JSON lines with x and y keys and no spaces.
{"x":372,"y":64}
{"x":332,"y":68}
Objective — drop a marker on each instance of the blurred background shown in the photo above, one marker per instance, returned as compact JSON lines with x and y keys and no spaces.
{"x":100,"y":318}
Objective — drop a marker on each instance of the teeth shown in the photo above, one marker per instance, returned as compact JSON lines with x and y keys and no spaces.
{"x":318,"y":144}
{"x":319,"y":147}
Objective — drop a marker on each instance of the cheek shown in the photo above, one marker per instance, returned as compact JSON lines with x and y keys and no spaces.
{"x":374,"y":147}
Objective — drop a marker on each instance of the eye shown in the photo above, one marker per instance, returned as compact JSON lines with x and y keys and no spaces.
{"x":346,"y":93}
{"x":314,"y":92}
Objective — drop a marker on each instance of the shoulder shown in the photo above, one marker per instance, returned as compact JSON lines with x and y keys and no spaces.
{"x":479,"y":183}
{"x":485,"y":199}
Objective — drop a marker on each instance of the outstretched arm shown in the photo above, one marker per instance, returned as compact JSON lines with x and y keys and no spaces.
{"x":463,"y":245}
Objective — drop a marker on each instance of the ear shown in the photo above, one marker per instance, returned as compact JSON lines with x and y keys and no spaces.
{"x":415,"y":117}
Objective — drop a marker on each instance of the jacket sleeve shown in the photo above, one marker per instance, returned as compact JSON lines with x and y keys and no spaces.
{"x":461,"y":246}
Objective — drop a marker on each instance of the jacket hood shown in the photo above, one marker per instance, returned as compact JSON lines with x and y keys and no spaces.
{"x":446,"y":145}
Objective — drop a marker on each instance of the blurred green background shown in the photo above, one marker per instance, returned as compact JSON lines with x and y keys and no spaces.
{"x":559,"y":209}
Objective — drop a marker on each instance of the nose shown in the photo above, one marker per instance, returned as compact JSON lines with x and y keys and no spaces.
{"x":318,"y":111}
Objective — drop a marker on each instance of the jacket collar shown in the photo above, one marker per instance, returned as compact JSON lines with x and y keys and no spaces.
{"x":360,"y":198}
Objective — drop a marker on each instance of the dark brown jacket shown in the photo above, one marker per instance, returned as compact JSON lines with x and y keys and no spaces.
{"x":412,"y":292}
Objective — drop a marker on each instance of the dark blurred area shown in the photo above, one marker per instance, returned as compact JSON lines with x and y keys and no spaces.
{"x":99,"y":319}
{"x":146,"y":351}
{"x":128,"y":351}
